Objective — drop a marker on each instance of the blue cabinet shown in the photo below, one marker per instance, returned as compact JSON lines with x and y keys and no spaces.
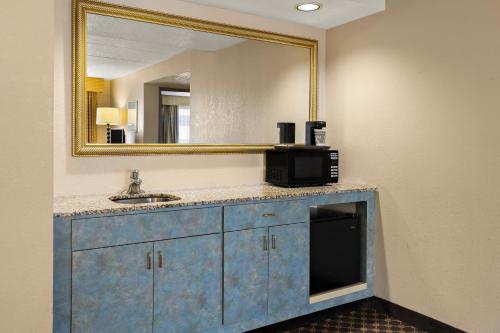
{"x":245,"y":277}
{"x":112,"y":289}
{"x":266,"y":274}
{"x":264,"y":214}
{"x":187,"y":284}
{"x":91,"y":233}
{"x":288,"y":271}
{"x":207,"y":269}
{"x":169,"y":286}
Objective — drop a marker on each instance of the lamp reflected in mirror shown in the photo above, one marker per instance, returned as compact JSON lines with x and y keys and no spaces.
{"x":108,"y":116}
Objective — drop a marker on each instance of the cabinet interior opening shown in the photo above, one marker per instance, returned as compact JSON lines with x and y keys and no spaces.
{"x":337,"y":250}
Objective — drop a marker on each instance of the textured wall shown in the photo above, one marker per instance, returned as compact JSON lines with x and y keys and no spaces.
{"x":414,"y":107}
{"x":26,"y":60}
{"x":110,"y":174}
{"x":103,"y":100}
{"x":239,"y":93}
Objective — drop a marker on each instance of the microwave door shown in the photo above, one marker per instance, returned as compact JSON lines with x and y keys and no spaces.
{"x":309,"y":168}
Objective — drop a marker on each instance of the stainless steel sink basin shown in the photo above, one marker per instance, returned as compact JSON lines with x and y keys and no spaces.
{"x":144,"y":199}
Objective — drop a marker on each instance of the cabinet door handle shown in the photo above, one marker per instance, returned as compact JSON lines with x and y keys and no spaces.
{"x":148,"y":261}
{"x":273,"y":242}
{"x":160,"y":259}
{"x":269,"y":214}
{"x":266,"y":243}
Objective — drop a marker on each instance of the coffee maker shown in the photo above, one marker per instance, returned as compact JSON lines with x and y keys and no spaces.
{"x":287,"y":133}
{"x":310,"y":127}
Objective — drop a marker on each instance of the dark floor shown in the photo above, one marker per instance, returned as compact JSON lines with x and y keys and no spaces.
{"x":361,"y":319}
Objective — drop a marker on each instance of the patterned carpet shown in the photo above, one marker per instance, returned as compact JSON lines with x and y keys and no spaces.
{"x":361,"y":320}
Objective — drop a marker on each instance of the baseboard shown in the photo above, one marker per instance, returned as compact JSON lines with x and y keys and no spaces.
{"x":411,"y":317}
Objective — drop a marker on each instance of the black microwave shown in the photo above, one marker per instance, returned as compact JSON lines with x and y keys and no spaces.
{"x":296,"y":167}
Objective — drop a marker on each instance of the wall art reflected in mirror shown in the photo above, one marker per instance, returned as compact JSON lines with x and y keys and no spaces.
{"x":179,"y":85}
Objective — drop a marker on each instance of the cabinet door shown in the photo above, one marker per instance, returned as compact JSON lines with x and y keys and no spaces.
{"x":288,"y":271}
{"x":245,"y":276}
{"x":187,"y":288}
{"x":112,"y":290}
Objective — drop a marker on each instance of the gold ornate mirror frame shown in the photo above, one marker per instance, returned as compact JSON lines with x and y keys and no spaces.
{"x":81,"y":8}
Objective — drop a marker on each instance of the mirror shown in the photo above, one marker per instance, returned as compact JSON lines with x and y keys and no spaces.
{"x":152,"y":83}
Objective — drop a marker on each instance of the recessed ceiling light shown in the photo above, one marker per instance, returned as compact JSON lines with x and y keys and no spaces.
{"x":308,"y":7}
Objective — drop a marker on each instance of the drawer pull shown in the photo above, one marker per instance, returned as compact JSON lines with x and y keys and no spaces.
{"x":269,"y":214}
{"x":148,"y":261}
{"x":273,"y":242}
{"x":160,"y":259}
{"x":266,"y":243}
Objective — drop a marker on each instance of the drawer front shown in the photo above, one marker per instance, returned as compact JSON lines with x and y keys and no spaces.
{"x":264,"y":214}
{"x":119,"y":230}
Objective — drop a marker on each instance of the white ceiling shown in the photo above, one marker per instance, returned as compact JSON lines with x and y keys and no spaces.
{"x":117,"y":47}
{"x":182,"y":79}
{"x":332,"y":13}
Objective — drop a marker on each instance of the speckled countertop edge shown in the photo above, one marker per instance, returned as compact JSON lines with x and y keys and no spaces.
{"x":85,"y":205}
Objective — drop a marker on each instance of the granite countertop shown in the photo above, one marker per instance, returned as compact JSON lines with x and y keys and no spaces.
{"x":65,"y":206}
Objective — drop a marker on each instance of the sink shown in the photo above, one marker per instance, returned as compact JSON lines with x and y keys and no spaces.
{"x":144,"y":199}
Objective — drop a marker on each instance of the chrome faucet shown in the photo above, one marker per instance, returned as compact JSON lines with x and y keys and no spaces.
{"x":135,"y":185}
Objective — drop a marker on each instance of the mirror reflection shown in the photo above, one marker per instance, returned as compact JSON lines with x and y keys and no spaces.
{"x":151,"y":83}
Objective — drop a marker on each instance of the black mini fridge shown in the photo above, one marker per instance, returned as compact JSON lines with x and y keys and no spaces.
{"x":335,"y":260}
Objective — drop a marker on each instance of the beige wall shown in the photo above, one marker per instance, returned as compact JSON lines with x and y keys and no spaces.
{"x":110,"y":174}
{"x":414,"y":95}
{"x":176,"y":100}
{"x":103,"y":100}
{"x":26,"y":60}
{"x":239,"y":93}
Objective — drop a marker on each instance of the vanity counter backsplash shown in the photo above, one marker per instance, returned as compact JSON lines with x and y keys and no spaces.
{"x":65,"y":206}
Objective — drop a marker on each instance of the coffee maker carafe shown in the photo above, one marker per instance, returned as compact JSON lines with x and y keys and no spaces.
{"x":310,"y":127}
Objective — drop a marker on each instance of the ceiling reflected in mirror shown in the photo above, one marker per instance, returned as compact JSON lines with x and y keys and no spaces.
{"x":117,"y":47}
